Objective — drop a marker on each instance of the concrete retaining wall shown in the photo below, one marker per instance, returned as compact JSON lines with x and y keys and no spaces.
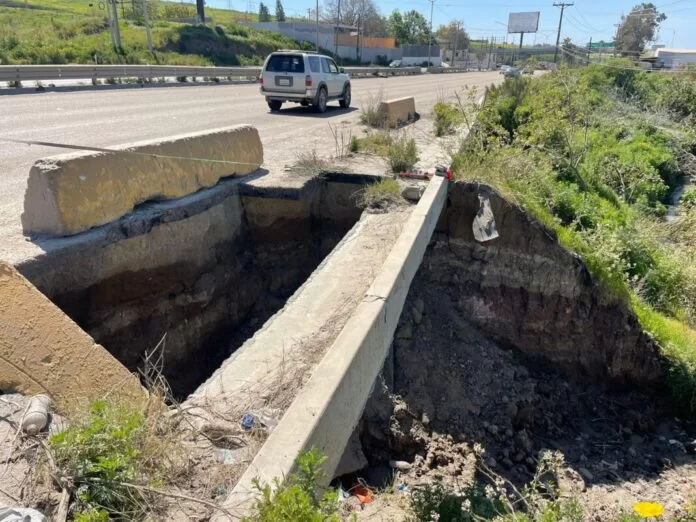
{"x":71,"y":193}
{"x":328,"y":408}
{"x":399,"y":111}
{"x":43,"y":351}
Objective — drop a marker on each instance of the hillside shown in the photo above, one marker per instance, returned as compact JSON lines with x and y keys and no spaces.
{"x":603,"y":155}
{"x":63,"y":31}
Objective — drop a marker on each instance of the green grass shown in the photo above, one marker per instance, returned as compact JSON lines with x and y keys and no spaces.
{"x":579,"y":151}
{"x":62,"y":32}
{"x":399,"y":149}
{"x":384,"y":193}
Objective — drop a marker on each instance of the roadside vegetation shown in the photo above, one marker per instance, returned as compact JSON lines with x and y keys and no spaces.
{"x":596,"y":154}
{"x":72,"y":32}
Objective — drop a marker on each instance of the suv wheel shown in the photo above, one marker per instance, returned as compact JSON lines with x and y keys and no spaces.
{"x":275,"y":105}
{"x":345,"y":101}
{"x":320,"y":105}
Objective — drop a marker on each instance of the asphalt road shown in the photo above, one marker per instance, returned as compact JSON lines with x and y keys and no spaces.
{"x":103,"y":118}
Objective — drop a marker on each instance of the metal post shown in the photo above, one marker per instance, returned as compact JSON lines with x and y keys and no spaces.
{"x":560,"y":23}
{"x":336,"y":31}
{"x":430,"y":39}
{"x":146,"y":17}
{"x":589,"y":52}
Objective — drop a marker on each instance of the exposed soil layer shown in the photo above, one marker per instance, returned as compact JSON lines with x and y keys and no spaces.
{"x":206,"y":279}
{"x":510,"y":344}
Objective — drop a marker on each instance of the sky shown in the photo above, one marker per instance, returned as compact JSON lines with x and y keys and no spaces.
{"x":586,"y":19}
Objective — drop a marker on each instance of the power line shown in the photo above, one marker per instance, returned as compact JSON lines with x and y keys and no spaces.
{"x":562,"y":5}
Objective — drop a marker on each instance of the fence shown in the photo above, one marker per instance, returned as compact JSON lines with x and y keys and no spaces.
{"x":21,"y":73}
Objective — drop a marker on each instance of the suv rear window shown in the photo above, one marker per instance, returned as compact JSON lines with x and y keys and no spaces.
{"x":288,"y":63}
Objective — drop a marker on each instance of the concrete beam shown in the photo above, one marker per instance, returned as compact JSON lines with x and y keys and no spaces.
{"x":329,"y":407}
{"x":43,"y":351}
{"x":75,"y":192}
{"x":397,"y":112}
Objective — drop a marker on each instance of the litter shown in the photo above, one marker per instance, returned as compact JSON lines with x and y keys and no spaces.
{"x":248,"y":421}
{"x":362,"y":493}
{"x":484,"y":223}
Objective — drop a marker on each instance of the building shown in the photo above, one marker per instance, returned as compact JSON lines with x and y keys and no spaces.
{"x":347,"y":42}
{"x":666,"y":58}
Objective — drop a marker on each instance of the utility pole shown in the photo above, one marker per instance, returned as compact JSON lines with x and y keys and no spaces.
{"x":336,"y":32}
{"x":317,"y":26}
{"x":309,"y":14}
{"x":589,"y":52}
{"x":146,"y":17}
{"x":200,"y":9}
{"x":116,"y":31}
{"x":454,"y":51}
{"x":616,"y":35}
{"x":562,"y":5}
{"x":430,"y":40}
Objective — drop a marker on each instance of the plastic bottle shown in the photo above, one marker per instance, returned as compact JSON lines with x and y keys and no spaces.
{"x":36,"y":416}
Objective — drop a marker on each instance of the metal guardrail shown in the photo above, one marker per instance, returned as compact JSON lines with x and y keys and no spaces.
{"x":21,"y":73}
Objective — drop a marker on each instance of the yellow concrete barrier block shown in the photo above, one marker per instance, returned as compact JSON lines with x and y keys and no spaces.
{"x":43,"y":351}
{"x":75,"y":192}
{"x":397,"y":112}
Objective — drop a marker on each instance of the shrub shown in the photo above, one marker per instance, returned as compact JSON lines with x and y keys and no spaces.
{"x":447,"y":118}
{"x":296,"y":499}
{"x":383,"y":194}
{"x":402,"y":154}
{"x":370,"y":113}
{"x":354,"y":144}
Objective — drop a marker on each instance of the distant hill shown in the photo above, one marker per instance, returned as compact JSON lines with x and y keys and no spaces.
{"x":76,"y":31}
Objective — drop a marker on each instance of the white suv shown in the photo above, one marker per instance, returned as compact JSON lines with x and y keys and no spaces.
{"x":305,"y":78}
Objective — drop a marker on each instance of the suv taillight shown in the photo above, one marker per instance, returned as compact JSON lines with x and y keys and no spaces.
{"x":261,"y":80}
{"x":308,"y":81}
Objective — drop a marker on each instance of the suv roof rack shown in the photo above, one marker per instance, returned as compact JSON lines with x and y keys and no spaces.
{"x":295,"y":51}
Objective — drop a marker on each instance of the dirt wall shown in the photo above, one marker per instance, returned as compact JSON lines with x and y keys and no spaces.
{"x":525,"y":290}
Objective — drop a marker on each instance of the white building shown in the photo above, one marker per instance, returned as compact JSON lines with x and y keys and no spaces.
{"x":666,"y":58}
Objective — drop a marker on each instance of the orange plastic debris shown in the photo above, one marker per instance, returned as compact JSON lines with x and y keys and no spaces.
{"x":363,"y":494}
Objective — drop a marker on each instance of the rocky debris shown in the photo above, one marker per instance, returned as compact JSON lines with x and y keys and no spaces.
{"x":454,"y":387}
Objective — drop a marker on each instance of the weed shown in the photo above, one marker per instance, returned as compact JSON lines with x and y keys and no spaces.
{"x":14,"y":84}
{"x":447,"y":118}
{"x":383,"y":194}
{"x":355,"y":144}
{"x":310,"y":163}
{"x":296,"y":498}
{"x":376,"y":143}
{"x":181,"y":79}
{"x":371,"y":113}
{"x":112,"y":457}
{"x":402,"y":154}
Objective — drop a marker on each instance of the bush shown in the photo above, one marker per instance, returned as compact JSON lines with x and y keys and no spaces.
{"x":107,"y":455}
{"x":402,"y":154}
{"x":447,"y":118}
{"x":383,"y":194}
{"x":370,"y":113}
{"x":296,"y":499}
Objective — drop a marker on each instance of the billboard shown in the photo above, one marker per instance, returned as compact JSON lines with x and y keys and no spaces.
{"x":523,"y":22}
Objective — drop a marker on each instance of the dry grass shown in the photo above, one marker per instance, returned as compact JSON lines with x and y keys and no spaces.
{"x":309,"y":163}
{"x":370,"y":113}
{"x":384,"y":194}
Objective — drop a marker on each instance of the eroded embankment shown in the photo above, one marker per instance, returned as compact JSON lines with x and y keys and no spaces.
{"x":510,"y":343}
{"x":206,"y":270}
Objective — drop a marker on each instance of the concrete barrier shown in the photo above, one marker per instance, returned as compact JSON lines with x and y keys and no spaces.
{"x":74,"y":192}
{"x":43,"y":351}
{"x":329,"y":406}
{"x":397,"y":112}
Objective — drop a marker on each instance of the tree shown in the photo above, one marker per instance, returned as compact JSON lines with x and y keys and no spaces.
{"x":280,"y":12}
{"x":362,"y":14}
{"x":452,"y":34}
{"x":409,"y":28}
{"x":638,"y":28}
{"x":481,"y":56}
{"x":572,"y":54}
{"x":264,"y":13}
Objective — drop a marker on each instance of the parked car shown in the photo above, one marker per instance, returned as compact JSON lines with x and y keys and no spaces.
{"x":504,"y":69}
{"x":512,"y":72}
{"x":527,"y":70}
{"x":395,"y":63}
{"x":303,"y":77}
